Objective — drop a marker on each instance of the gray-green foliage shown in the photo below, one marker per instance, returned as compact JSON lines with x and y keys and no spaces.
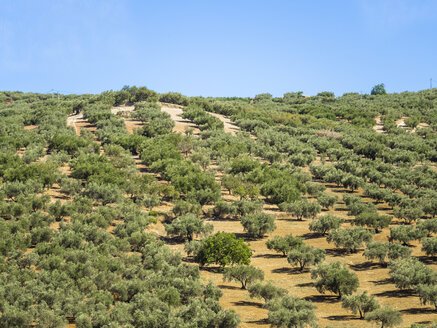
{"x":192,"y":247}
{"x":410,"y":213}
{"x":182,"y":207}
{"x":387,"y":316}
{"x":349,"y":239}
{"x":71,"y":186}
{"x":405,"y":234}
{"x":384,"y":251}
{"x":258,"y":224}
{"x":429,"y":245}
{"x":327,"y":200}
{"x":325,"y":223}
{"x":301,"y":208}
{"x":428,"y":227}
{"x":103,"y":193}
{"x":291,"y":312}
{"x":245,"y":274}
{"x":373,"y":220}
{"x":187,"y":226}
{"x":410,"y":272}
{"x":360,"y":303}
{"x":315,"y":188}
{"x":427,"y":294}
{"x":283,"y":244}
{"x":335,"y":277}
{"x":305,"y":255}
{"x":266,"y":291}
{"x":33,"y":152}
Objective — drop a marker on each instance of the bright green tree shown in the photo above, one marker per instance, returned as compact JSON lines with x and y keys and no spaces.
{"x":223,"y":249}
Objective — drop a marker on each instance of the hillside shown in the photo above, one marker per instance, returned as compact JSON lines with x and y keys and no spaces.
{"x":109,"y":203}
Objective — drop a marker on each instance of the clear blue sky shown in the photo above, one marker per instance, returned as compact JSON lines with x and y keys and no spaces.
{"x":218,"y":48}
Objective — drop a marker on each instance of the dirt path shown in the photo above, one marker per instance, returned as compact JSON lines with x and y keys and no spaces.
{"x":229,"y":127}
{"x":73,"y":120}
{"x":117,"y":109}
{"x":175,"y":112}
{"x":181,"y":124}
{"x":379,"y":126}
{"x":401,"y":122}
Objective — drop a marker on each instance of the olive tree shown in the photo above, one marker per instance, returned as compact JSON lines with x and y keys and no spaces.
{"x":291,"y":312}
{"x":373,"y":220}
{"x":387,"y":316}
{"x":187,"y":226}
{"x":409,"y":214}
{"x":59,"y":210}
{"x":349,"y":239}
{"x":245,"y":274}
{"x":301,"y":209}
{"x":104,"y":193}
{"x":427,"y":227}
{"x":305,"y":255}
{"x":405,"y":234}
{"x":325,"y":223}
{"x":427,"y":294}
{"x":266,"y":291}
{"x":335,"y":277}
{"x":382,"y":251}
{"x":258,"y":224}
{"x":408,"y":273}
{"x":283,"y":244}
{"x":327,"y":200}
{"x":360,"y":303}
{"x":429,"y":245}
{"x":315,"y":188}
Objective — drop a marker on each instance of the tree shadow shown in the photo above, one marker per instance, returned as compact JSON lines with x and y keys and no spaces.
{"x":270,"y":256}
{"x":339,"y":190}
{"x":306,"y":284}
{"x":397,"y":293}
{"x":335,"y":252}
{"x":345,"y":317}
{"x":427,"y":310}
{"x":427,"y":259}
{"x":223,"y":219}
{"x":171,"y":240}
{"x":248,"y":303}
{"x":259,"y":322}
{"x":386,"y":208}
{"x":381,"y":282}
{"x":274,"y":209}
{"x":228,"y":287}
{"x":323,"y":299}
{"x":211,"y":269}
{"x":365,"y":266}
{"x":247,"y":237}
{"x":424,"y":322}
{"x":289,"y":270}
{"x":312,"y":235}
{"x":281,"y":270}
